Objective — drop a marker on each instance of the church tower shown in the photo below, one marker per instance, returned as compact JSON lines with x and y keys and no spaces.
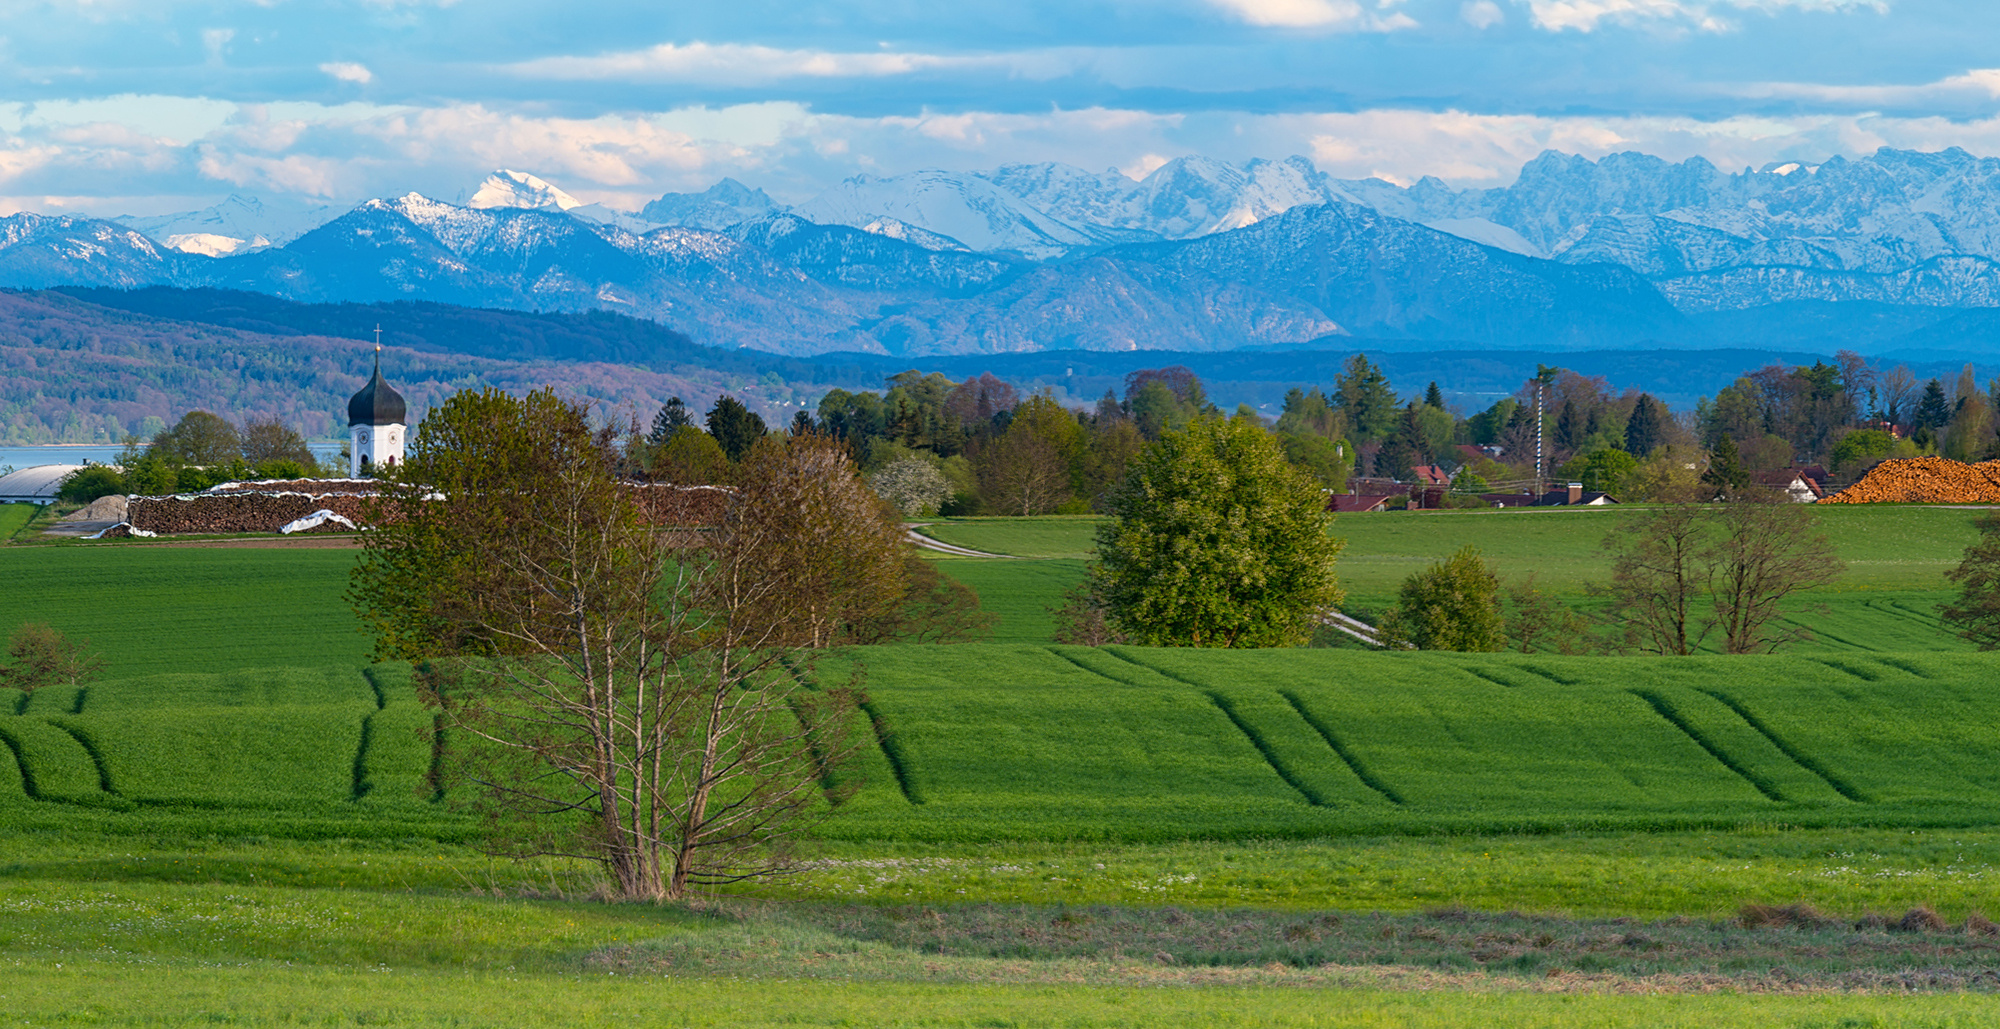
{"x":375,"y":425}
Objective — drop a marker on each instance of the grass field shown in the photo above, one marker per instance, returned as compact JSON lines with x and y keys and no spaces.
{"x":994,"y":743}
{"x":150,"y":609}
{"x":235,"y":826}
{"x":1896,"y":559}
{"x":14,"y":516}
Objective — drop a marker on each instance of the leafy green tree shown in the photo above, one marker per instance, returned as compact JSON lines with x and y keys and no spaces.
{"x":1469,"y":481}
{"x":735,"y":427}
{"x":1974,"y":615}
{"x":1158,"y":411}
{"x":1648,"y":427}
{"x":1362,"y":393}
{"x":1407,"y":447}
{"x":1486,"y":427}
{"x":690,"y":457}
{"x":1725,"y":474}
{"x":269,"y":440}
{"x":91,"y":482}
{"x":1033,"y":467}
{"x":1216,"y":542}
{"x":1605,"y":470}
{"x":199,"y":438}
{"x":1861,"y":447}
{"x":1327,"y":460}
{"x":1452,"y":605}
{"x":1309,"y":412}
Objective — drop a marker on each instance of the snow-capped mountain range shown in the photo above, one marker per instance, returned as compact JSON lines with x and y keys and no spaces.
{"x":1196,"y":255}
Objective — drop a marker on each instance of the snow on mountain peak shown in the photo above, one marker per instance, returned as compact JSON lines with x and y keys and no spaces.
{"x":505,"y":188}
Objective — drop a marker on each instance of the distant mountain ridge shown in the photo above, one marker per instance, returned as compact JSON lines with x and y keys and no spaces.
{"x":1197,"y":255}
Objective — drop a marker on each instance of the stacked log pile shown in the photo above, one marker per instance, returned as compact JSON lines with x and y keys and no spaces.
{"x":238,"y":511}
{"x":238,"y":507}
{"x":1924,"y":480}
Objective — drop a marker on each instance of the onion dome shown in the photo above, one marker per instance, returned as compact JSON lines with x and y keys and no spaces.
{"x":378,"y":403}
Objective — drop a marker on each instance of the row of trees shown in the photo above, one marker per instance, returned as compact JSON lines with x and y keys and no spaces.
{"x":199,"y":451}
{"x":977,"y":446}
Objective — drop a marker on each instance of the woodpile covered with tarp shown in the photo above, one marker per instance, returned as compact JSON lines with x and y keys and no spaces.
{"x":263,"y":507}
{"x":1924,"y":480}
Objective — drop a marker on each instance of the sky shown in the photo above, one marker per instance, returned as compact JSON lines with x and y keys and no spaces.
{"x":153,"y":106}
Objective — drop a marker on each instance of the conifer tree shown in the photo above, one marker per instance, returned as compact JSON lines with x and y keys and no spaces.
{"x":1725,"y":474}
{"x":1646,"y":430}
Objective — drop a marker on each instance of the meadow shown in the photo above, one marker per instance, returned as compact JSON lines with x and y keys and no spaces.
{"x":1014,"y":743}
{"x":1887,"y":599}
{"x":236,"y":823}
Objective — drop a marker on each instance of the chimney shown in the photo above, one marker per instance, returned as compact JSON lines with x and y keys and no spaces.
{"x":1576,"y":493}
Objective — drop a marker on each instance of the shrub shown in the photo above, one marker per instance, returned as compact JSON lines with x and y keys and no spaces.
{"x":40,"y":655}
{"x":1452,"y":605}
{"x":91,"y":482}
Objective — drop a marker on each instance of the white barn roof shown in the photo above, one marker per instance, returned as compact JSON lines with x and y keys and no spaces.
{"x":36,"y":485}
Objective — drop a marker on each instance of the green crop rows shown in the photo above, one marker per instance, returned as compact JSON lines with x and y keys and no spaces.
{"x":1015,"y":742}
{"x":289,"y":751}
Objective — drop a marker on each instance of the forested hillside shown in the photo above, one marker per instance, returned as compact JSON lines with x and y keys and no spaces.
{"x":95,"y":366}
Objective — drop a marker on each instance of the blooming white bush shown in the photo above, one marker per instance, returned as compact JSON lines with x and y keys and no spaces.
{"x":912,"y":485}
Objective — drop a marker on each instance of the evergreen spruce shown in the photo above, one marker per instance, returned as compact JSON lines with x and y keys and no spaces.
{"x":1725,"y":473}
{"x":1646,"y":430}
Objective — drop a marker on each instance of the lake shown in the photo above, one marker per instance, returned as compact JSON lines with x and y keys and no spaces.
{"x":28,"y":457}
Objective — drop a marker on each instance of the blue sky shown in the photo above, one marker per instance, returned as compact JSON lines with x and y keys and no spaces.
{"x":149,"y":106}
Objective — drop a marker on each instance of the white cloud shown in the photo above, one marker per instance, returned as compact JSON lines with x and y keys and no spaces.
{"x":215,"y":43}
{"x":741,"y":64}
{"x":348,"y":71}
{"x":1481,"y":14}
{"x":1979,"y":84}
{"x":1316,"y":14}
{"x":1703,"y":15}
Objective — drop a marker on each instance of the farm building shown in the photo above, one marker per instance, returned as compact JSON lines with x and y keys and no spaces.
{"x":36,"y":485}
{"x":1348,"y":503}
{"x":1802,"y":488}
{"x":1574,"y":495}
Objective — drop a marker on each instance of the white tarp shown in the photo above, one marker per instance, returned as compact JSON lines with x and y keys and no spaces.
{"x":314,"y":521}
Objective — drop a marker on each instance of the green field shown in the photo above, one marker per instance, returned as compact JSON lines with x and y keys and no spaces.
{"x":240,"y":846}
{"x":153,"y":608}
{"x":14,"y":516}
{"x":1009,"y":742}
{"x":1887,"y":600}
{"x":236,"y":825}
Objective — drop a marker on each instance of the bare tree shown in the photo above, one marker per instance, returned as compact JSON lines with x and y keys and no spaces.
{"x":1746,"y":555}
{"x":1896,"y":392}
{"x":1766,"y":549}
{"x":1658,"y":575}
{"x":1028,"y":469}
{"x":1538,"y":621}
{"x":603,"y":694}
